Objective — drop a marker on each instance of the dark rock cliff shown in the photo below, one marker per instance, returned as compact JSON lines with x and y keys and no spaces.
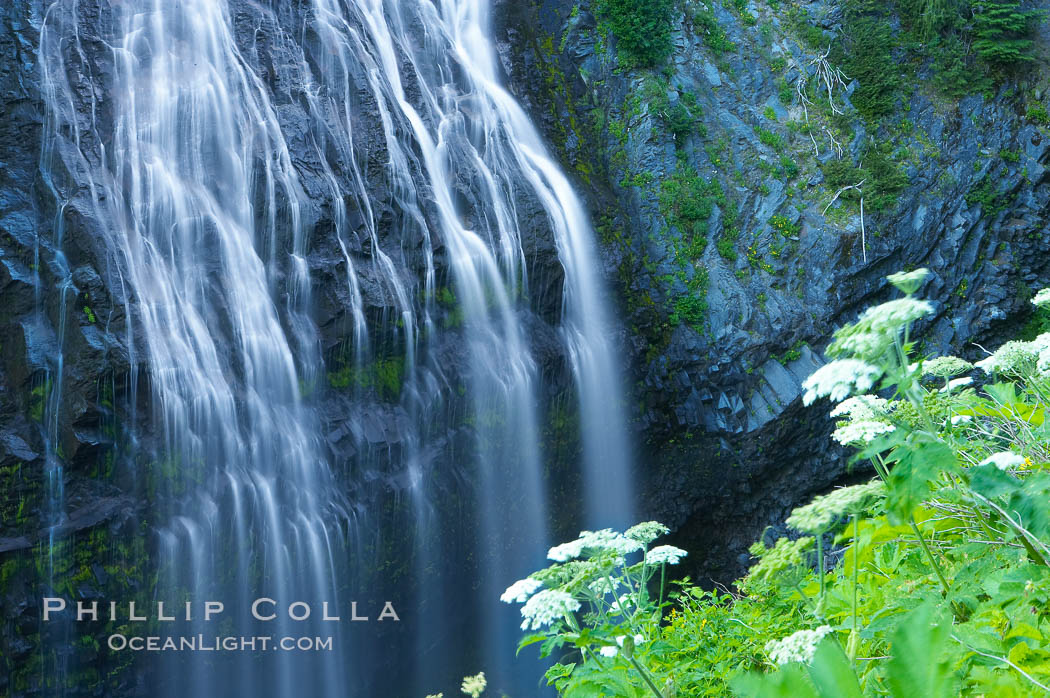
{"x":730,"y":305}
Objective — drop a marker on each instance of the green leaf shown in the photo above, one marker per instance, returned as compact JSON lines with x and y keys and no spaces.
{"x":918,"y":666}
{"x":918,"y":461}
{"x":832,"y":674}
{"x":787,"y":682}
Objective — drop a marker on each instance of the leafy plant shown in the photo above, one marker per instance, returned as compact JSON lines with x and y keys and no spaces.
{"x":642,"y":30}
{"x":940,"y":583}
{"x":1002,"y":32}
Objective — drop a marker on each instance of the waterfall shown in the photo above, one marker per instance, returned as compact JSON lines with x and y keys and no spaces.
{"x":427,"y":171}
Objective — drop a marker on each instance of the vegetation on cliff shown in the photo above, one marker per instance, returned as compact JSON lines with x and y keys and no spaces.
{"x":930,"y":579}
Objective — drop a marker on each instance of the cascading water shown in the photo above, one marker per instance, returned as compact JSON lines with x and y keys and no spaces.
{"x":205,"y":205}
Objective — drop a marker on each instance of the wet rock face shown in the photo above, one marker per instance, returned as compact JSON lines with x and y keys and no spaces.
{"x":725,"y":444}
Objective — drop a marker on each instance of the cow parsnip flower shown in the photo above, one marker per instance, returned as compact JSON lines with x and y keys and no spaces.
{"x":862,"y":408}
{"x":800,"y":646}
{"x":474,"y":686}
{"x":606,"y":539}
{"x":958,"y":383}
{"x":1004,"y":460}
{"x":837,"y":379}
{"x":946,"y":366}
{"x":1042,"y":299}
{"x":1011,"y":358}
{"x":645,"y":533}
{"x":664,"y":555}
{"x":824,"y":510}
{"x":785,"y":555}
{"x":546,"y":607}
{"x":863,"y":432}
{"x":521,"y":590}
{"x":875,"y":331}
{"x":909,"y":281}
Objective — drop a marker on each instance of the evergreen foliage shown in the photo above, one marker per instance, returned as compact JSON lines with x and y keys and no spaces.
{"x":1001,"y":30}
{"x":642,"y":29}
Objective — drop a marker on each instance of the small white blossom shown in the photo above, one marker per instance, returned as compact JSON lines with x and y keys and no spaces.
{"x":817,"y":516}
{"x":1043,"y":362}
{"x":606,"y":539}
{"x":1012,"y":357}
{"x":609,"y":651}
{"x":797,"y":647}
{"x":961,"y":419}
{"x":946,"y":366}
{"x":862,"y":407}
{"x":638,"y":639}
{"x":622,"y":606}
{"x":958,"y":383}
{"x":664,"y":555}
{"x":602,"y":586}
{"x":874,"y":332}
{"x":1042,"y":299}
{"x":546,"y":607}
{"x":474,"y":686}
{"x":521,"y":590}
{"x":838,"y":379}
{"x":646,"y":532}
{"x":909,"y":281}
{"x":861,"y":432}
{"x":1004,"y":460}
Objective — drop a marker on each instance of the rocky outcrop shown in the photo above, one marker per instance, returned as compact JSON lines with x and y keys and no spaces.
{"x":726,"y":447}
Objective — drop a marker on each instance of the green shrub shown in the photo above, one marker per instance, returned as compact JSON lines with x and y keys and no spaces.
{"x":868,"y":58}
{"x":642,"y":30}
{"x":770,"y":138}
{"x":707,"y":26}
{"x":1002,"y":32}
{"x":1037,"y":114}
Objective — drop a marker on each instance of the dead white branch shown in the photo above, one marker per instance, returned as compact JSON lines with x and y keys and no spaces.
{"x":840,"y":192}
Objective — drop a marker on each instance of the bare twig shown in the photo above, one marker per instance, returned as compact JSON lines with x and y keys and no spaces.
{"x":840,"y":192}
{"x":1004,"y":660}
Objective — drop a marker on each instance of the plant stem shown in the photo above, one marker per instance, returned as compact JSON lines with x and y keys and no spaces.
{"x":856,"y":568}
{"x":929,"y":555}
{"x":820,"y":563}
{"x":646,"y":678}
{"x":663,"y":577}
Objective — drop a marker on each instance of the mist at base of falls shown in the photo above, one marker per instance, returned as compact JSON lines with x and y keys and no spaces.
{"x":250,"y":164}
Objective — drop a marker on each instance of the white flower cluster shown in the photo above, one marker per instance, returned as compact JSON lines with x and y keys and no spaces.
{"x":909,"y":281}
{"x":645,"y":533}
{"x":604,"y":585}
{"x":872,"y":335}
{"x":612,"y":651}
{"x":664,"y":555}
{"x":521,"y":590}
{"x":622,"y":606}
{"x":474,"y":686}
{"x":1042,"y":298}
{"x":861,"y":432}
{"x":838,"y":379}
{"x":961,"y":419}
{"x":862,"y":407}
{"x":946,"y":366}
{"x":958,"y":383}
{"x":1004,"y":460}
{"x":818,"y":515}
{"x":797,"y":647}
{"x":546,"y":607}
{"x":606,"y":539}
{"x":1012,"y":358}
